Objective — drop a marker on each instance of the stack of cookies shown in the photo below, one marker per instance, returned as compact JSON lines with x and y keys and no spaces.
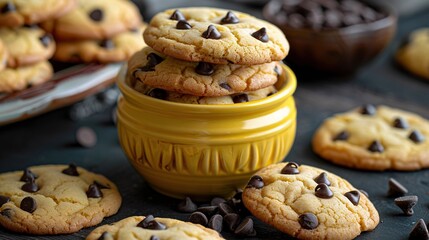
{"x":208,"y":56}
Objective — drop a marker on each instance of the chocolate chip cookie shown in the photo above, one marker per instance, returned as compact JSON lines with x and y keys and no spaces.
{"x":375,"y":138}
{"x":215,"y":36}
{"x":199,"y":78}
{"x":15,"y":79}
{"x":3,"y":56}
{"x":55,"y":199}
{"x":143,"y":228}
{"x":309,"y":203}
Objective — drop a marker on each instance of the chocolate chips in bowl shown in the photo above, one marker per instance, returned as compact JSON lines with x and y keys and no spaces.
{"x":332,"y":36}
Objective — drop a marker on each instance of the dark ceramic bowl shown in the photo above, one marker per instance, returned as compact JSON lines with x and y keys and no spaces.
{"x":337,"y":51}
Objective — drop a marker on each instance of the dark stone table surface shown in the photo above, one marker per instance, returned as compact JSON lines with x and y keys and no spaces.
{"x":49,"y":139}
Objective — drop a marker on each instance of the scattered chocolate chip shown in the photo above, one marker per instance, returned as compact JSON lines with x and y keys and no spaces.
{"x":376,"y":147}
{"x":105,"y":236}
{"x":153,"y":237}
{"x":368,"y":109}
{"x":198,"y":218}
{"x":225,"y":86}
{"x":211,"y":33}
{"x":145,"y":222}
{"x":261,"y":35}
{"x":353,"y":196}
{"x":290,"y":168}
{"x":255,"y":182}
{"x":45,"y":40}
{"x":400,"y":123}
{"x":27,"y":176}
{"x":183,"y":25}
{"x":225,"y":209}
{"x":323,"y":178}
{"x":7,"y":212}
{"x":177,"y":15}
{"x":406,"y":204}
{"x":208,"y":210}
{"x":396,"y":189}
{"x":153,"y":60}
{"x":8,"y":7}
{"x":3,"y":200}
{"x":71,"y":170}
{"x":308,"y":221}
{"x":419,"y":231}
{"x":86,"y":137}
{"x":216,"y":201}
{"x":30,"y":187}
{"x":96,"y":15}
{"x":107,"y":44}
{"x":245,"y":228}
{"x":364,"y":192}
{"x":416,"y":136}
{"x":230,"y":18}
{"x":100,"y":185}
{"x":155,"y":225}
{"x":28,"y":204}
{"x":158,"y":93}
{"x":342,"y":136}
{"x":216,"y":223}
{"x":94,"y":191}
{"x":241,"y":98}
{"x":231,"y":220}
{"x":187,"y":206}
{"x":204,"y":68}
{"x":323,"y":191}
{"x":31,"y":26}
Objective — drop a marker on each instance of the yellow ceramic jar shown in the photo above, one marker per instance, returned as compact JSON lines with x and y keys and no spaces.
{"x":203,"y":151}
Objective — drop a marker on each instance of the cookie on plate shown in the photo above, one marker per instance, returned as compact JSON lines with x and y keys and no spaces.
{"x":120,"y":48}
{"x":55,"y":199}
{"x":27,"y":45}
{"x":413,"y":55}
{"x":309,"y":203}
{"x":200,"y":79}
{"x":14,"y":13}
{"x":373,"y":138}
{"x":96,"y":20}
{"x":15,"y":79}
{"x":3,"y":56}
{"x":216,"y":36}
{"x":145,"y":228}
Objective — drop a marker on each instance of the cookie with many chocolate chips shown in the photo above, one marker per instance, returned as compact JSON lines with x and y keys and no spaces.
{"x":293,"y":199}
{"x":55,"y":199}
{"x":144,"y":228}
{"x":215,"y":36}
{"x":373,"y":138}
{"x":199,"y":78}
{"x":15,"y":79}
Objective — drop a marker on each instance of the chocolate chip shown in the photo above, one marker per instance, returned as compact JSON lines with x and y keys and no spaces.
{"x":107,"y":44}
{"x":7,"y":212}
{"x":86,"y":137}
{"x":94,"y":191}
{"x":145,"y":222}
{"x":71,"y":170}
{"x":241,"y":98}
{"x":419,"y":231}
{"x":152,"y":60}
{"x":28,"y":204}
{"x":158,"y":93}
{"x":290,"y":168}
{"x":230,"y":18}
{"x":31,"y":26}
{"x":353,"y":196}
{"x":187,"y":206}
{"x":106,"y":236}
{"x":396,"y":189}
{"x":216,"y":223}
{"x":153,"y":237}
{"x":308,"y":221}
{"x":204,"y":68}
{"x":368,"y":109}
{"x":100,"y":185}
{"x":245,"y":228}
{"x":3,"y":200}
{"x":216,"y":201}
{"x":342,"y":136}
{"x":231,"y":220}
{"x":155,"y":225}
{"x":183,"y":25}
{"x":277,"y":71}
{"x":323,"y":178}
{"x":225,"y":209}
{"x":30,"y":187}
{"x":177,"y":15}
{"x":255,"y":182}
{"x":400,"y":123}
{"x":225,"y":86}
{"x":208,"y":210}
{"x":8,"y":7}
{"x":45,"y":40}
{"x":323,"y":191}
{"x":96,"y":15}
{"x":261,"y":35}
{"x":376,"y":147}
{"x":416,"y":136}
{"x":364,"y":192}
{"x":198,"y":218}
{"x":211,"y":33}
{"x":406,"y":204}
{"x":27,"y":176}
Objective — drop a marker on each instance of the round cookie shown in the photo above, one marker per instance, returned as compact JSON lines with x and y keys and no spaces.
{"x":15,"y":79}
{"x":96,"y":20}
{"x":27,"y":45}
{"x":373,"y":138}
{"x":413,"y":55}
{"x":200,"y":79}
{"x":120,"y":48}
{"x":55,"y":199}
{"x":216,"y":36}
{"x":145,"y":228}
{"x":309,"y":203}
{"x":3,"y":56}
{"x":14,"y":13}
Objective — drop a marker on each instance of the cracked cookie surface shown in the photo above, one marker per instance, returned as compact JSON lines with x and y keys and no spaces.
{"x":55,"y":199}
{"x":288,"y":197}
{"x":388,"y":138}
{"x":240,"y":39}
{"x":15,"y":79}
{"x":200,"y":79}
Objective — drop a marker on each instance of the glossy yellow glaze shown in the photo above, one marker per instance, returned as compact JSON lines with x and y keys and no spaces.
{"x":203,"y":151}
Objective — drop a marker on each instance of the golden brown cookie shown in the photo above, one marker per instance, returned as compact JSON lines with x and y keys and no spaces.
{"x":309,"y":203}
{"x":3,"y":56}
{"x":145,"y":228}
{"x":15,"y":79}
{"x":373,"y":138}
{"x":216,"y":36}
{"x":55,"y":199}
